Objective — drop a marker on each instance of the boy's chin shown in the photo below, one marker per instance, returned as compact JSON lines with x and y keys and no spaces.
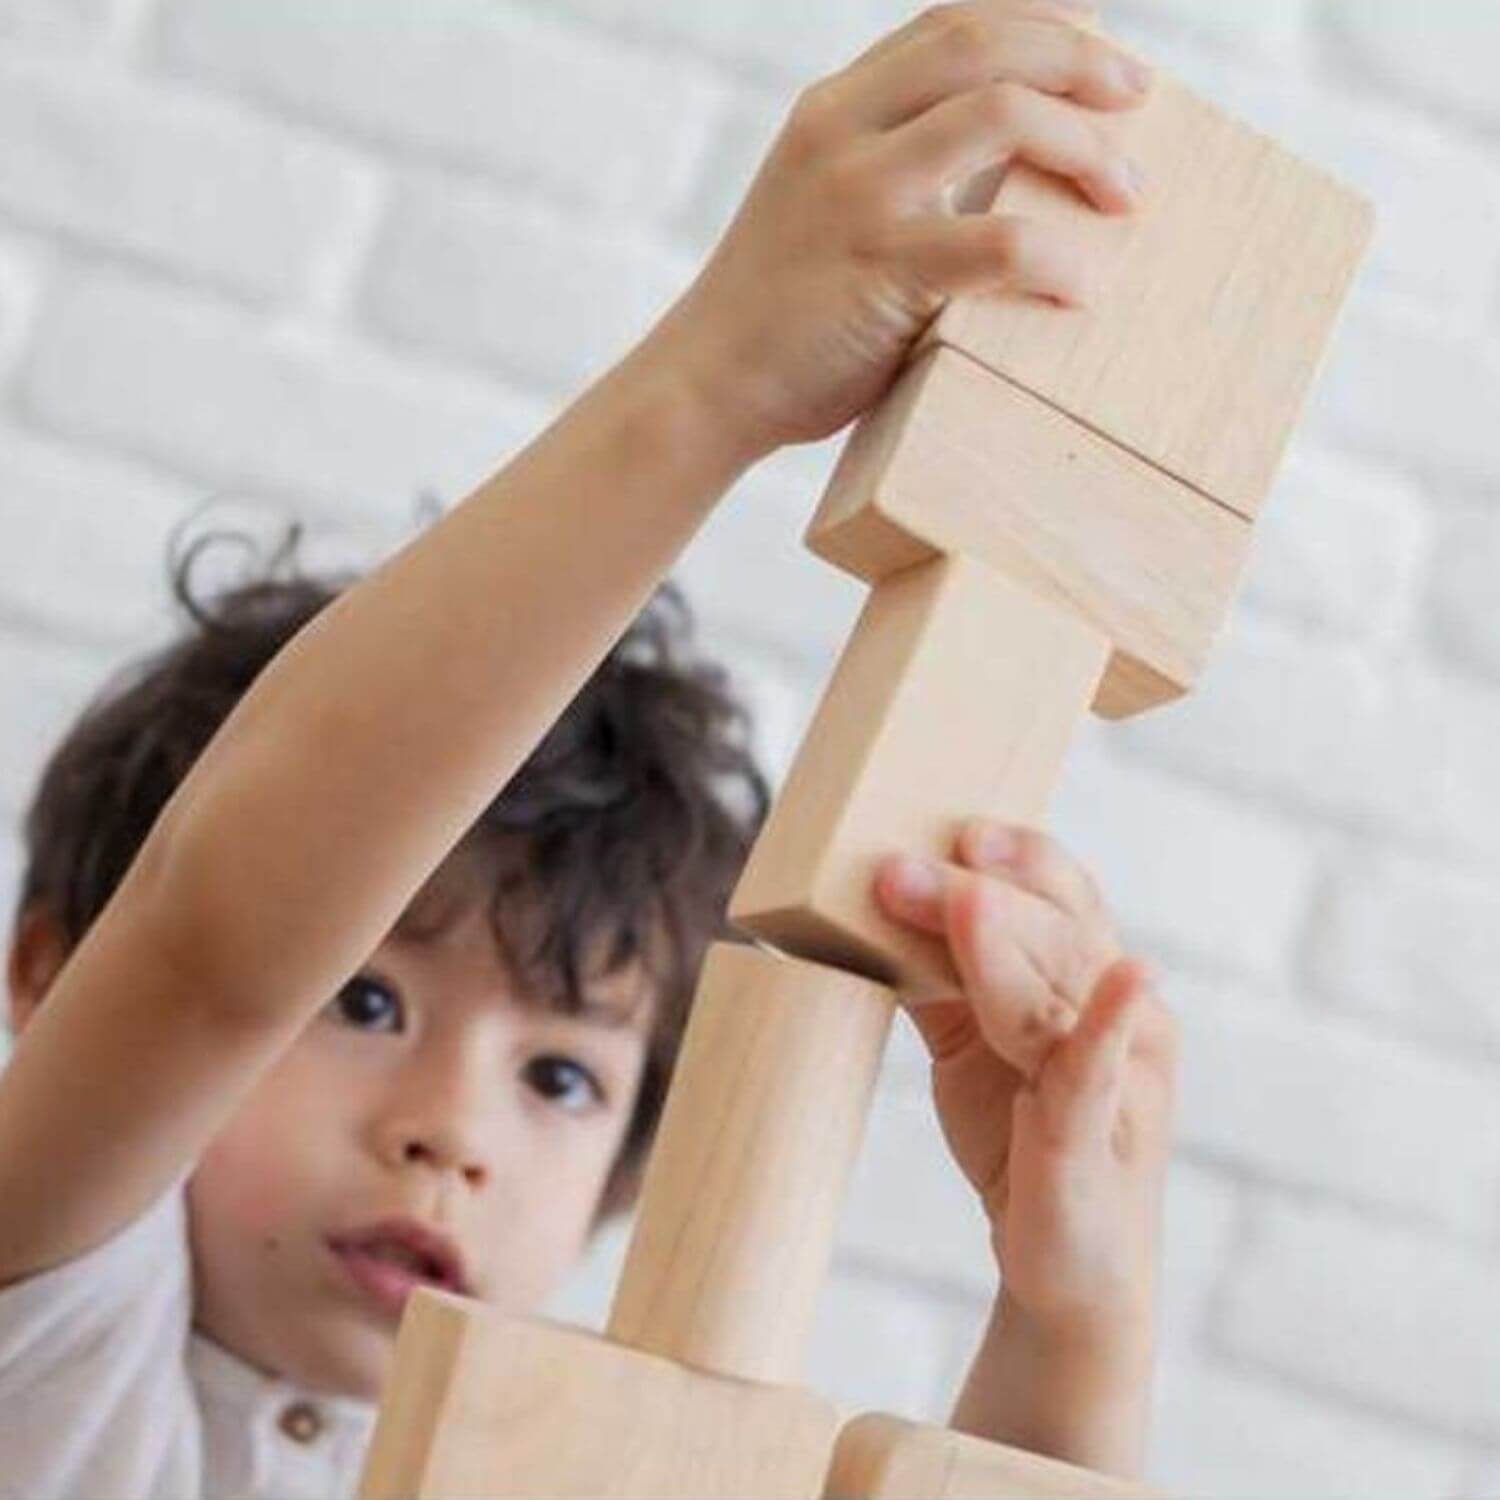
{"x":346,"y":1357}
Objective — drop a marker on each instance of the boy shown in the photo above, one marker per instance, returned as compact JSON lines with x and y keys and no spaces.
{"x":225,"y":1161}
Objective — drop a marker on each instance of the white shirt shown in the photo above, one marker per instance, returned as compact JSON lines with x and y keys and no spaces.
{"x":107,"y":1393}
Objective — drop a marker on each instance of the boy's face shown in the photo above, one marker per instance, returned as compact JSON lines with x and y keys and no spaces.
{"x":424,"y":1090}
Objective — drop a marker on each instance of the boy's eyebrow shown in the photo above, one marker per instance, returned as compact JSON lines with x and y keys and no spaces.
{"x":614,"y":1015}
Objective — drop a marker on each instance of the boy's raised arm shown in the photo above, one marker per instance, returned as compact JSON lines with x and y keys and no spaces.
{"x":377,"y":736}
{"x":366,"y":749}
{"x":331,"y":792}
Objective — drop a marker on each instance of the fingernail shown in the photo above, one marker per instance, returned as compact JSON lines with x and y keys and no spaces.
{"x":1060,"y":1018}
{"x":917,"y":879}
{"x":994,"y":844}
{"x":1132,"y":178}
{"x":1134,"y":74}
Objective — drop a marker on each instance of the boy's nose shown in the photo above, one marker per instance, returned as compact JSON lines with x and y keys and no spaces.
{"x":441,"y":1125}
{"x":446,"y":1155}
{"x":440,"y":1111}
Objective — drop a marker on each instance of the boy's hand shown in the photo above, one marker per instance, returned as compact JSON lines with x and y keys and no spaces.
{"x":848,"y":242}
{"x":1054,"y":1078}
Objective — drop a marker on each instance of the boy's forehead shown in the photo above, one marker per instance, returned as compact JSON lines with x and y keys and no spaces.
{"x":630,"y":1009}
{"x":459,"y":905}
{"x":454,"y":910}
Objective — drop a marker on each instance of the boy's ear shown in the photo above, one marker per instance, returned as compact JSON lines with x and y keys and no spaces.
{"x":37,"y":952}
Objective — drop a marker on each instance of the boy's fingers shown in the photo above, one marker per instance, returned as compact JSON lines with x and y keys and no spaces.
{"x":1156,"y":1039}
{"x":1001,"y":943}
{"x":1084,"y":1076}
{"x":1034,"y":861}
{"x":969,"y":132}
{"x":913,"y":889}
{"x":1074,"y":948}
{"x":972,"y":253}
{"x":1072,"y":937}
{"x":1153,"y":1090}
{"x":1017,"y":1005}
{"x":1080,"y":11}
{"x":954,"y":49}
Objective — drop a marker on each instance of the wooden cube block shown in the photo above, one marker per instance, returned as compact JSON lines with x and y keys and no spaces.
{"x":880,"y":1457}
{"x":956,"y":459}
{"x":483,"y":1406}
{"x":1217,"y":297}
{"x":957,"y":694}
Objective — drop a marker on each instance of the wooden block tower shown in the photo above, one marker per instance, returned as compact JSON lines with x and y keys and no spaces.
{"x":1053,"y":507}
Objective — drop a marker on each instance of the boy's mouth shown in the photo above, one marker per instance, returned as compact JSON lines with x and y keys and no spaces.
{"x":390,"y":1258}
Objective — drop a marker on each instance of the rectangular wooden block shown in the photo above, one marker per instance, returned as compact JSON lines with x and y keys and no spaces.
{"x":483,"y":1406}
{"x":880,"y":1457}
{"x":957,"y":695}
{"x":957,"y":459}
{"x":1217,"y":297}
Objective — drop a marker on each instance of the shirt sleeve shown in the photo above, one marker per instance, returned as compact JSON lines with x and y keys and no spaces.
{"x":93,"y":1380}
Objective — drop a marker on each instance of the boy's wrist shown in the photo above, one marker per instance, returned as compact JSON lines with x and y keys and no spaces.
{"x":1113,"y":1347}
{"x":1078,"y":1390}
{"x":700,"y":367}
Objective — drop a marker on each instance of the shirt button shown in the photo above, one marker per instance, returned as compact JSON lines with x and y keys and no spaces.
{"x":301,"y":1421}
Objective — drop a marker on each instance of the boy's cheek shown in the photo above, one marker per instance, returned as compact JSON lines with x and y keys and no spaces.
{"x":252,"y":1179}
{"x":241,"y":1186}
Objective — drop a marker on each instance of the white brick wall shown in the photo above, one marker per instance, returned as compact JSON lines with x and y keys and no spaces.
{"x":56,"y":23}
{"x":204,"y":188}
{"x":1444,"y":58}
{"x":501,"y":89}
{"x":1341,"y":550}
{"x":149,"y":368}
{"x":1463,"y":608}
{"x":451,"y":267}
{"x":329,"y":257}
{"x":1415,"y":946}
{"x":1386,"y":1319}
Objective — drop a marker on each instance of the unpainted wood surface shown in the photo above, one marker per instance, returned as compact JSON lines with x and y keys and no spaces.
{"x":484,"y":1406}
{"x":1214,"y":301}
{"x":957,"y":695}
{"x":958,"y":460}
{"x":737,"y":1213}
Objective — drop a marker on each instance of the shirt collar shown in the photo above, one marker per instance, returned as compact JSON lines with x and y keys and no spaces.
{"x":251,"y":1390}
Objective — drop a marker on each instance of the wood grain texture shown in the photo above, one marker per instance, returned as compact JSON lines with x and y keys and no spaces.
{"x":737,"y":1213}
{"x":1215,"y":299}
{"x":485,"y":1406}
{"x":957,"y":695}
{"x":957,"y":459}
{"x":881,"y":1457}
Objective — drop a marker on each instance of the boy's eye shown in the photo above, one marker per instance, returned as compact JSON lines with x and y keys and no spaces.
{"x":562,"y":1078}
{"x":368,"y":1005}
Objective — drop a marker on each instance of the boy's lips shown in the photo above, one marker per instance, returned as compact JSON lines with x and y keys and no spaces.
{"x":392,"y":1256}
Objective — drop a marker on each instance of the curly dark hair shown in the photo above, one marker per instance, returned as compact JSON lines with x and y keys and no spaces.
{"x":629,"y":822}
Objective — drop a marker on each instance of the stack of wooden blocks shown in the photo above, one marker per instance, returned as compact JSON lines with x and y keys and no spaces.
{"x":1053,"y":507}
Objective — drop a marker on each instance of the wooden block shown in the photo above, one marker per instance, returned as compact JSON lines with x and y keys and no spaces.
{"x":956,"y":459}
{"x":1217,"y":296}
{"x":484,"y":1406}
{"x":760,"y":1132}
{"x":880,"y":1457}
{"x":957,"y":695}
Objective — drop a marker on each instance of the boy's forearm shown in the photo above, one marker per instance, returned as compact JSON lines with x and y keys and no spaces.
{"x":381,"y":731}
{"x":1084,"y":1400}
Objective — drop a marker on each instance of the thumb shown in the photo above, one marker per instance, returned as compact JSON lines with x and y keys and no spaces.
{"x":1080,"y":1084}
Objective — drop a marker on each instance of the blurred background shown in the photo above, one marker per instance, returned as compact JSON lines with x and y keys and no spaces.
{"x":335,"y":261}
